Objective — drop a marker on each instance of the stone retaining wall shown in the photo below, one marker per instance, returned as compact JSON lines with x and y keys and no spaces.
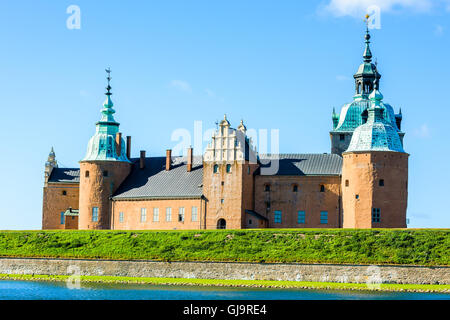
{"x":229,"y":270}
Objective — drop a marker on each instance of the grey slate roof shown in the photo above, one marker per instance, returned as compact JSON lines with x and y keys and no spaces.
{"x":155,"y":182}
{"x":65,"y":175}
{"x":303,"y":164}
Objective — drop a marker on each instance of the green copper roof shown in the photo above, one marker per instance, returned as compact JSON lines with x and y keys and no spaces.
{"x":377,"y":134}
{"x":352,"y":115}
{"x":102,"y":145}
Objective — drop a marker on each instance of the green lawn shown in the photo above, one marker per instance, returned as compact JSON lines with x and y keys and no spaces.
{"x":412,"y":246}
{"x":238,"y":283}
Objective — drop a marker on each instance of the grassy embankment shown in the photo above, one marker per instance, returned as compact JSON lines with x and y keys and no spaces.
{"x":238,"y":283}
{"x":407,"y":247}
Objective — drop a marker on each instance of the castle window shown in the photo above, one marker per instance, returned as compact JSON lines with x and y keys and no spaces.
{"x":228,"y":168}
{"x":181,"y":214}
{"x":381,"y":183}
{"x":95,"y":214}
{"x":322,"y":188}
{"x":194,"y":214}
{"x":324,"y":217}
{"x":121,"y":217}
{"x":347,"y":183}
{"x":248,"y":170}
{"x":267,"y":205}
{"x":62,"y":220}
{"x":277,"y":216}
{"x":267,"y":187}
{"x":222,"y":201}
{"x":169,"y":214}
{"x":105,"y":173}
{"x":223,"y":183}
{"x":295,"y":188}
{"x":155,"y":214}
{"x":342,"y":137}
{"x":64,"y":193}
{"x":250,"y":221}
{"x":143,"y":214}
{"x":216,"y":168}
{"x":357,"y":196}
{"x":301,"y":217}
{"x":86,"y":174}
{"x":376,"y":215}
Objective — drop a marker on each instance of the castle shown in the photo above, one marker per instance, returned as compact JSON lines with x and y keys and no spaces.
{"x":362,"y":183}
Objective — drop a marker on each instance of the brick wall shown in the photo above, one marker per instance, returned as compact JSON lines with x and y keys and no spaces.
{"x":308,"y":198}
{"x":55,"y":202}
{"x":131,"y":217}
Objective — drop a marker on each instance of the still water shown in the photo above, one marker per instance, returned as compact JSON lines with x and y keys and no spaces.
{"x":36,"y":290}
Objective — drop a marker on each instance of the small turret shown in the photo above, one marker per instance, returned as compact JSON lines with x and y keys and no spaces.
{"x":335,"y":118}
{"x":49,"y":165}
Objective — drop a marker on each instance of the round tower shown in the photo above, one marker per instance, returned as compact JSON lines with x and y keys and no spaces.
{"x":102,"y":170}
{"x":375,"y":173}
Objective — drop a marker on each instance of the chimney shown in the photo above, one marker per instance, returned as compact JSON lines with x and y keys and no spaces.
{"x":128,"y":147}
{"x":118,"y":143}
{"x":142,"y":160}
{"x":168,"y":159}
{"x":189,"y":159}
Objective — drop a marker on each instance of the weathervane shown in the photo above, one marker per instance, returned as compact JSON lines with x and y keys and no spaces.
{"x":108,"y":71}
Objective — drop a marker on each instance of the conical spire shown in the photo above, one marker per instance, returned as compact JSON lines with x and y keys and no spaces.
{"x":108,"y":111}
{"x":367,"y":53}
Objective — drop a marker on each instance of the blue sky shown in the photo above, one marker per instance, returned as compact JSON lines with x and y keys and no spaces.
{"x":276,"y":64}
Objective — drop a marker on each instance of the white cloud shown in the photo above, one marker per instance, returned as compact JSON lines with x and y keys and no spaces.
{"x":181,"y":85}
{"x":438,"y":30}
{"x":357,"y":8}
{"x":423,"y":131}
{"x":210,"y":93}
{"x":342,"y":78}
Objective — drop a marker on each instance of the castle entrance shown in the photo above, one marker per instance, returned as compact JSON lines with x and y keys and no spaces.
{"x":221,"y":224}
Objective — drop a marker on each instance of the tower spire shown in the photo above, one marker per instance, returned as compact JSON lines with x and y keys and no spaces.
{"x":108,"y":77}
{"x":367,"y":53}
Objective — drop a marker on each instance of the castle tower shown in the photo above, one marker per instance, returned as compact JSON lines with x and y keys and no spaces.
{"x":49,"y":165}
{"x":354,"y":114}
{"x":103,"y":169}
{"x":375,"y":173}
{"x":229,"y":163}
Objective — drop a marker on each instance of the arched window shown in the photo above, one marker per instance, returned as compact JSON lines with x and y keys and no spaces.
{"x":322,"y":188}
{"x":228,"y":168}
{"x":64,"y":193}
{"x":295,"y":188}
{"x":216,"y":168}
{"x":267,"y":187}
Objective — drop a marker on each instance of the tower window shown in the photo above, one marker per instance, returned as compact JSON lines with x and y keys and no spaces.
{"x":347,"y":183}
{"x":64,"y":193}
{"x":277,"y":216}
{"x":222,"y":201}
{"x":342,"y":137}
{"x":95,"y":214}
{"x":216,"y":168}
{"x":295,"y":188}
{"x":322,"y":188}
{"x":357,"y":196}
{"x":105,"y":173}
{"x":376,"y":215}
{"x":228,"y":168}
{"x":324,"y":217}
{"x":267,"y":187}
{"x":381,"y":183}
{"x":86,"y":174}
